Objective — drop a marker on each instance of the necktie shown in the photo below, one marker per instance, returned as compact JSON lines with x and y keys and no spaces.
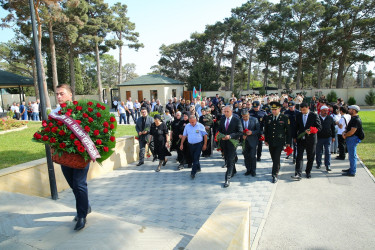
{"x":304,"y":120}
{"x":227,"y":125}
{"x":143,"y":123}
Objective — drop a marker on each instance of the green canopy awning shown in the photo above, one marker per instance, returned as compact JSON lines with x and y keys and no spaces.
{"x":10,"y":80}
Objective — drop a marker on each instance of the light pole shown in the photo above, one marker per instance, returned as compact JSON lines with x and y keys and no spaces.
{"x":51,"y":170}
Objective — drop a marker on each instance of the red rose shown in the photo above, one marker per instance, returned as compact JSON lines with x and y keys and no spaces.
{"x":96,"y":132}
{"x":45,"y":138}
{"x":105,"y":130}
{"x":84,"y":115}
{"x":99,"y":142}
{"x":112,"y":138}
{"x":137,"y":138}
{"x":50,"y":118}
{"x":59,"y":112}
{"x":47,"y":129}
{"x":105,"y":149}
{"x":261,"y":138}
{"x":68,"y":114}
{"x":313,"y":130}
{"x":60,"y":123}
{"x":77,"y":142}
{"x":54,"y":129}
{"x":78,"y":121}
{"x":52,"y":140}
{"x":50,"y":124}
{"x":72,"y":137}
{"x":112,"y":119}
{"x":79,"y":108}
{"x":37,"y":136}
{"x":98,"y":114}
{"x":87,"y":128}
{"x":105,"y":124}
{"x":81,"y":148}
{"x":98,"y":105}
{"x":44,"y":123}
{"x":112,"y":126}
{"x":62,"y":132}
{"x":90,"y":120}
{"x":69,"y":110}
{"x":75,"y":103}
{"x":63,"y":105}
{"x":102,"y":107}
{"x":62,"y":145}
{"x":89,"y":103}
{"x":90,"y":109}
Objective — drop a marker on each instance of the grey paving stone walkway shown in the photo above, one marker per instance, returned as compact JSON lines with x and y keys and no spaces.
{"x":170,"y":199}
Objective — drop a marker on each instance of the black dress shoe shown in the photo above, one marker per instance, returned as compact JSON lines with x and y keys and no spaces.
{"x":258,"y":159}
{"x":340,"y":158}
{"x":253,"y":174}
{"x":226,"y":184}
{"x":345,"y":170}
{"x":81,"y":222}
{"x":308,"y":176}
{"x":88,"y":211}
{"x":287,"y":157}
{"x":274,"y":179}
{"x":318,"y":167}
{"x":181,"y":166}
{"x":192,"y":176}
{"x":140,"y":163}
{"x":328,"y":168}
{"x":348,"y":174}
{"x":247,"y":173}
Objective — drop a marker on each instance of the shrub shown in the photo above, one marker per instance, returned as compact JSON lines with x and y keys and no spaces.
{"x":370,"y":98}
{"x":332,"y":96}
{"x":10,"y":114}
{"x":262,"y":90}
{"x":152,"y":114}
{"x":351,"y":101}
{"x":10,"y":123}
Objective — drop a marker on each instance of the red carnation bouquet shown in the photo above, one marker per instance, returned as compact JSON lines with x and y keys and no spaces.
{"x":313,"y":130}
{"x":244,"y":141}
{"x":288,"y":150}
{"x":261,"y":138}
{"x":219,"y":136}
{"x":85,"y":128}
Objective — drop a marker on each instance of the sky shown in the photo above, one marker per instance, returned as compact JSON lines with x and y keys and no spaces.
{"x":162,"y":22}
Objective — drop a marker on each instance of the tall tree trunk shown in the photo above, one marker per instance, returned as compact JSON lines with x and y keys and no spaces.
{"x":72,"y":71}
{"x":319,"y":72}
{"x":98,"y":72}
{"x":120,"y":61}
{"x":332,"y":69}
{"x":340,"y":72}
{"x":55,"y":80}
{"x":48,"y":102}
{"x":233,"y":66}
{"x":249,"y":69}
{"x":220,"y":56}
{"x":299,"y":68}
{"x":35,"y":77}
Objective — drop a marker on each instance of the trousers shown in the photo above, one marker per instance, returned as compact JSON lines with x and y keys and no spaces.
{"x":77,"y":180}
{"x":195,"y":152}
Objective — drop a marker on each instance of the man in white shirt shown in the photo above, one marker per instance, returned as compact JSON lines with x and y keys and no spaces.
{"x":121,"y":112}
{"x":137,"y":109}
{"x":35,"y":109}
{"x":129,"y":110}
{"x":342,"y":123}
{"x":115,"y":103}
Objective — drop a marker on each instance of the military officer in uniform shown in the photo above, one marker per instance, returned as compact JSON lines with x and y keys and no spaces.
{"x":266,"y":107}
{"x":207,"y":121}
{"x":292,"y":112}
{"x":277,"y":134}
{"x":260,"y":115}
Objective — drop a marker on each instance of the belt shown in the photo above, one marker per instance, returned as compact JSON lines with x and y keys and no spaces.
{"x":195,"y":143}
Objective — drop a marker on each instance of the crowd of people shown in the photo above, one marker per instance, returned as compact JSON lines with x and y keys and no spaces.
{"x":192,"y":128}
{"x":30,"y":112}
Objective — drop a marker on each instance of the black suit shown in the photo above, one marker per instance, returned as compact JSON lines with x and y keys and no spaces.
{"x":235,"y":131}
{"x":308,"y":142}
{"x":251,"y":143}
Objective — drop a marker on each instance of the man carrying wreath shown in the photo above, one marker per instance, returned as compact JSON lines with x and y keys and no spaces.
{"x":76,"y":178}
{"x":305,"y":139}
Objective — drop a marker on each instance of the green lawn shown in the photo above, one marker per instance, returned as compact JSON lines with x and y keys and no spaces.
{"x":366,"y":149}
{"x":17,"y":147}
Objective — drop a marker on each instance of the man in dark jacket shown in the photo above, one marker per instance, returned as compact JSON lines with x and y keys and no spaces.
{"x":292,"y":113}
{"x":251,"y":141}
{"x":231,"y":127}
{"x":305,"y":139}
{"x":325,"y":136}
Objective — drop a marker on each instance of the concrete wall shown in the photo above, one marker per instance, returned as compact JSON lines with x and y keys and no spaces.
{"x":31,"y":178}
{"x":164,"y":92}
{"x":358,"y":93}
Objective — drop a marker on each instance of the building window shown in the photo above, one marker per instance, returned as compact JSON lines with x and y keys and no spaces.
{"x":174,"y":92}
{"x":153,"y":94}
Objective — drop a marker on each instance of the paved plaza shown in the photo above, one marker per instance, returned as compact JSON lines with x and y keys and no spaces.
{"x":137,"y":208}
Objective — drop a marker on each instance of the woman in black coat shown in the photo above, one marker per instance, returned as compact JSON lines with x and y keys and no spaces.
{"x":184,"y":155}
{"x":159,"y":133}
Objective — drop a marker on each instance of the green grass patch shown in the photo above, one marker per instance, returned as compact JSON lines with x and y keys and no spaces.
{"x":366,"y":149}
{"x":17,"y":147}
